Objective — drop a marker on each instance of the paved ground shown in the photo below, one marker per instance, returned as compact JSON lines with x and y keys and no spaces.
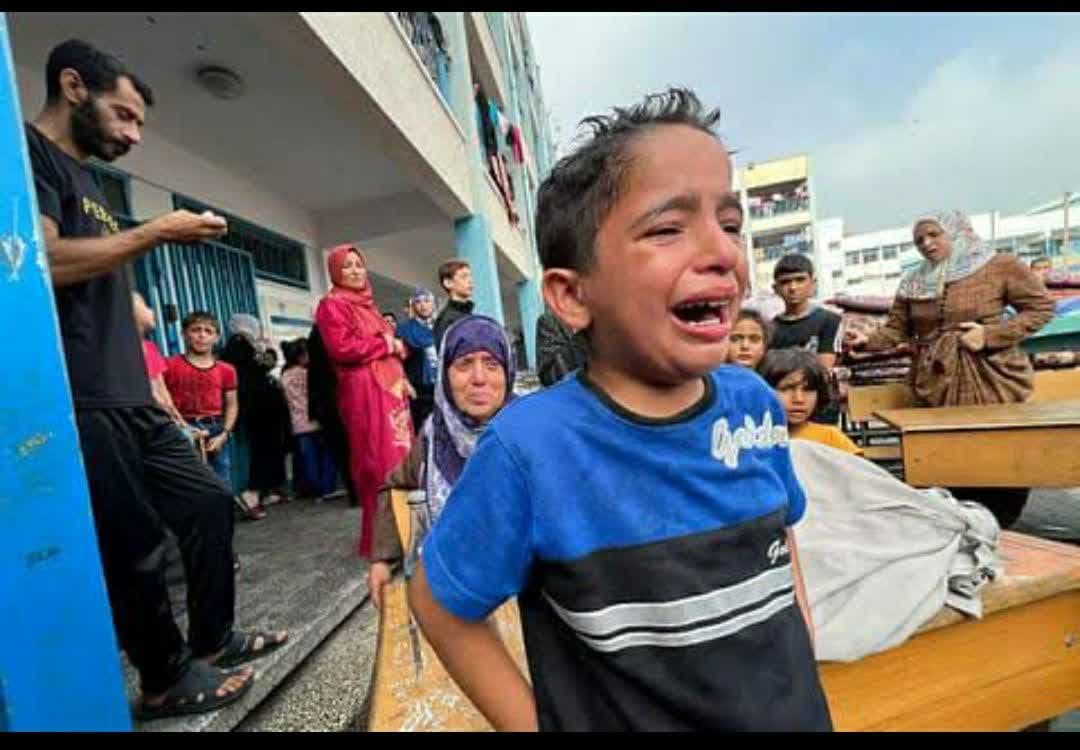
{"x":299,"y":572}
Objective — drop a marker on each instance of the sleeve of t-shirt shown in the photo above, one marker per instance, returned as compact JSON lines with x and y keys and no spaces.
{"x":796,"y":505}
{"x":46,"y":182}
{"x":155,"y":363}
{"x":479,"y":552}
{"x":228,"y":377}
{"x":830,"y":328}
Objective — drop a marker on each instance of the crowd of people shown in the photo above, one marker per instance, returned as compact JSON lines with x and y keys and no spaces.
{"x":640,"y":506}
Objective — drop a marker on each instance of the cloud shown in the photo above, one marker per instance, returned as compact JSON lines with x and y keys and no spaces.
{"x":981,"y":134}
{"x":900,"y":113}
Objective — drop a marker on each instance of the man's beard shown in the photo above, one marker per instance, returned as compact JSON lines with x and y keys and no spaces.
{"x":90,"y":136}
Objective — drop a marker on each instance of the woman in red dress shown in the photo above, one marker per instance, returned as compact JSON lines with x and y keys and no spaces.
{"x":371,"y":380}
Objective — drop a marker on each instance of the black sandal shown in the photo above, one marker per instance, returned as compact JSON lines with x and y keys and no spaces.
{"x":251,"y":514}
{"x":245,"y":647}
{"x":195,"y":693}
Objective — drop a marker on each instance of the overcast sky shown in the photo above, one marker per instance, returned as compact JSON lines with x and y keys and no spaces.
{"x":900,"y":113}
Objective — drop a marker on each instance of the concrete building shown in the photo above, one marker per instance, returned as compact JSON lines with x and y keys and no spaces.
{"x":779,"y":200}
{"x":307,"y":130}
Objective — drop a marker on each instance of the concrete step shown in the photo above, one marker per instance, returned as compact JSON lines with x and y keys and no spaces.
{"x":299,"y":571}
{"x":328,"y":692}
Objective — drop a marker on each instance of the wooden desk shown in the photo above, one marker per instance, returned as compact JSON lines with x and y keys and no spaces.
{"x":402,"y":701}
{"x":432,"y":702}
{"x":1033,"y":444}
{"x":1017,"y":666}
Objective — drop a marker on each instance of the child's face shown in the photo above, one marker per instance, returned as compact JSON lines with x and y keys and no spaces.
{"x":747,"y":343}
{"x":795,"y":288}
{"x":669,"y":270}
{"x":200,"y":337}
{"x":460,"y":285}
{"x":798,"y":398}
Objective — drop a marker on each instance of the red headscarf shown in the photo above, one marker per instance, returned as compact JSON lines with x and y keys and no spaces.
{"x":388,"y":371}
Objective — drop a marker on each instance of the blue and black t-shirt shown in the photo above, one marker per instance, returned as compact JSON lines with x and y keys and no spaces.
{"x":649,"y":558}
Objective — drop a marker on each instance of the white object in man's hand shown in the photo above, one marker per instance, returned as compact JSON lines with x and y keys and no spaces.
{"x":185,"y":226}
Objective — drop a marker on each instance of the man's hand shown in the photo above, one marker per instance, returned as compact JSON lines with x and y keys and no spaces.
{"x":974,"y":337}
{"x":214,"y":444}
{"x":378,"y":576}
{"x":184,"y":226}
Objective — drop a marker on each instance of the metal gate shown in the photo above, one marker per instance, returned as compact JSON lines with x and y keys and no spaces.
{"x":179,"y":279}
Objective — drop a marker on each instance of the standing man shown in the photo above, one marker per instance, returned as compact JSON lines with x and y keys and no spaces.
{"x":455,"y":276}
{"x":142,"y":473}
{"x":803,"y":325}
{"x":422,"y":364}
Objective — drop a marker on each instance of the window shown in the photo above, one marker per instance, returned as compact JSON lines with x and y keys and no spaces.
{"x":890,"y":252}
{"x":852,"y":259}
{"x":838,"y":273}
{"x":893,"y":275}
{"x":834,"y":246}
{"x":276,"y":258}
{"x":852,"y":282}
{"x":870,"y":256}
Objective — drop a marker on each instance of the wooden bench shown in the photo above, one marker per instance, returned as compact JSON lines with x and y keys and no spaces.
{"x":1033,"y":444}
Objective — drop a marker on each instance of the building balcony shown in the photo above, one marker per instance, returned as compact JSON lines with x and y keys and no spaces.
{"x":779,"y":221}
{"x":778,"y":208}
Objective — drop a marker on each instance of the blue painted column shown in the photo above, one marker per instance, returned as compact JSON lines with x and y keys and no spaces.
{"x":472,"y":239}
{"x":59,"y":662}
{"x":472,"y":236}
{"x":530,"y":304}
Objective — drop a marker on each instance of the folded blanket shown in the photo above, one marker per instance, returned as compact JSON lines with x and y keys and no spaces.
{"x":881,"y":558}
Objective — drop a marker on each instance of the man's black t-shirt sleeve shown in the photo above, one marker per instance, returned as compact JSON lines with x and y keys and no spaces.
{"x":830,"y":327}
{"x":46,"y":181}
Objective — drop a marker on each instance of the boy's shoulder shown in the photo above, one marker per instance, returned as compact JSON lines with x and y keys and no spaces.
{"x":737,"y":379}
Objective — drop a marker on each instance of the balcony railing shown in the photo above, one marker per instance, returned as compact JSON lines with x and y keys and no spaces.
{"x":426,"y":34}
{"x":776,"y":208}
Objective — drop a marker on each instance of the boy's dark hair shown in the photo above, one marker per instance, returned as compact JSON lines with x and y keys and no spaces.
{"x":98,"y":70}
{"x":294,"y":352}
{"x":754,"y":315}
{"x":579,"y":192}
{"x":779,"y":363}
{"x":793,"y":263}
{"x":200,"y":316}
{"x":449,"y":268}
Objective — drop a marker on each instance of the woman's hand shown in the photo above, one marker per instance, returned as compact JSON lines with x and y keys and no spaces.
{"x":410,"y":391}
{"x":378,"y":576}
{"x":974,"y":337}
{"x":389,"y":339}
{"x":856,"y":339}
{"x":399,"y":348}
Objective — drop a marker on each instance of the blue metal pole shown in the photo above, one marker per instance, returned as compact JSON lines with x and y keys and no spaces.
{"x":59,"y":662}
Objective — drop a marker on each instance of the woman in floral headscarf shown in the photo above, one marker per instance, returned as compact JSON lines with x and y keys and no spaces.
{"x":951,"y":308}
{"x":371,"y":385}
{"x":474,"y":380}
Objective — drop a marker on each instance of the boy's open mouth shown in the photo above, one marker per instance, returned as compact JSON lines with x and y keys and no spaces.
{"x":704,"y":318}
